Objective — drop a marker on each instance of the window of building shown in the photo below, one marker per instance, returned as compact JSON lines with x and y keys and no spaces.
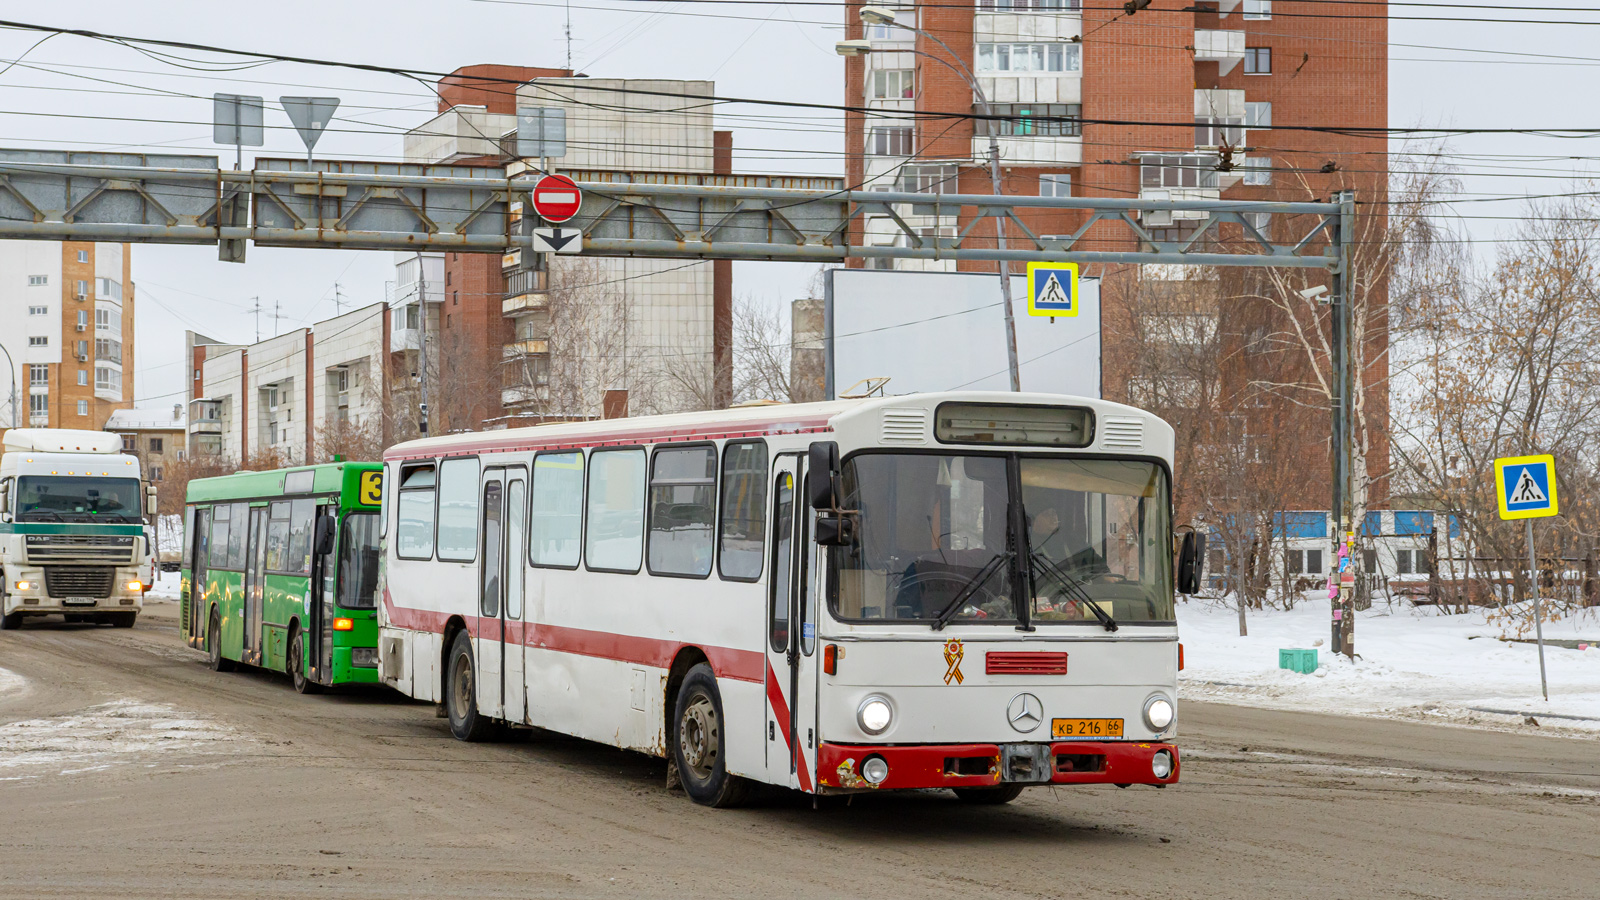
{"x":1258,"y":170}
{"x":83,"y":256}
{"x":129,"y":443}
{"x":414,"y":515}
{"x":38,"y":310}
{"x":455,"y":298}
{"x":83,"y":350}
{"x":1032,"y":120}
{"x":108,"y":289}
{"x":683,"y":508}
{"x":1028,"y":5}
{"x":936,"y":179}
{"x":744,"y":509}
{"x":155,"y":473}
{"x":82,"y":290}
{"x":108,"y":349}
{"x":107,"y":379}
{"x":1055,"y":185}
{"x":83,"y":407}
{"x":102,"y":319}
{"x":38,"y":340}
{"x":38,"y":406}
{"x":1258,"y":60}
{"x":83,"y":377}
{"x":1217,"y":131}
{"x":614,"y":537}
{"x":1258,"y":9}
{"x":38,"y":375}
{"x":556,"y":528}
{"x":196,"y":374}
{"x":1304,"y":562}
{"x":157,"y":445}
{"x":1055,"y":57}
{"x":1257,"y":115}
{"x":1193,"y":171}
{"x":893,"y":84}
{"x":38,"y":280}
{"x":83,"y":319}
{"x":458,"y":510}
{"x":894,"y":141}
{"x":1261,"y":222}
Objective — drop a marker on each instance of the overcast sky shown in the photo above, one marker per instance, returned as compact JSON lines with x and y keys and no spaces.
{"x":1441,"y":73}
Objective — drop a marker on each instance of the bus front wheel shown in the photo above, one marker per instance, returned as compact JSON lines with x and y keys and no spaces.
{"x":699,"y":743}
{"x":219,"y":663}
{"x":460,"y":694}
{"x":296,"y":664}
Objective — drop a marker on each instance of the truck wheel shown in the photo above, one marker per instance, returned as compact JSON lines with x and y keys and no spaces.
{"x":11,"y":622}
{"x":700,"y":744}
{"x":219,"y":663}
{"x":122,"y":620}
{"x":297,"y":664}
{"x":460,"y":694}
{"x":993,"y":796}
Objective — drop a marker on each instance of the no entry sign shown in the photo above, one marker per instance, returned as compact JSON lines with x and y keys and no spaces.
{"x":556,"y":198}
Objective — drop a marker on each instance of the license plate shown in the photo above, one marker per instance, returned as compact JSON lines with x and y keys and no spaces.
{"x":77,"y":601}
{"x":1086,"y":728}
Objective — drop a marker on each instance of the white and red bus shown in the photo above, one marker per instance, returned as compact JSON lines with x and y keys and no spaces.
{"x":968,"y":590}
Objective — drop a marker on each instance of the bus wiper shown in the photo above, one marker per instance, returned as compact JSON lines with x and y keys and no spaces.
{"x":967,"y":590}
{"x":1074,"y":589}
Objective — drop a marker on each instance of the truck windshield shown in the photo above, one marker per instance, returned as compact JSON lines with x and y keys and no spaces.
{"x":66,"y":498}
{"x":358,"y":561}
{"x":936,"y":530}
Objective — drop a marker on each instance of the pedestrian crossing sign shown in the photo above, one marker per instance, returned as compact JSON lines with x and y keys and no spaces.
{"x":1052,"y":289}
{"x":1525,"y":486}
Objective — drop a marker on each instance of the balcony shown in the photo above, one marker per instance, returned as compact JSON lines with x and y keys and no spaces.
{"x":1032,"y":150}
{"x":529,"y":347}
{"x":1225,"y":48}
{"x":523,"y":304}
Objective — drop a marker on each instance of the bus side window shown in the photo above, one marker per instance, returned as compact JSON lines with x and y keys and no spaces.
{"x":221,"y":516}
{"x":278,"y":537}
{"x":614,"y":540}
{"x":743,"y":510}
{"x":188,"y":537}
{"x":683,"y":497}
{"x":458,"y":510}
{"x":238,"y":536}
{"x":414,"y":519}
{"x":555,"y":528}
{"x":302,"y":522}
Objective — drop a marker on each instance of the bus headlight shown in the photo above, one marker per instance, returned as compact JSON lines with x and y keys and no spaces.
{"x":1158,"y":713}
{"x":1161,"y":764}
{"x":875,"y":769}
{"x":874,"y":714}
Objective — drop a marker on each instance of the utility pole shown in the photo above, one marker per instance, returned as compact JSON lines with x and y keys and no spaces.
{"x":13,"y":367}
{"x":1342,"y":510}
{"x":422,"y":343}
{"x":257,"y":310}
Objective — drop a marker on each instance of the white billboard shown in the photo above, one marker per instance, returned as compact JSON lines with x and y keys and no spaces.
{"x":943,"y":331}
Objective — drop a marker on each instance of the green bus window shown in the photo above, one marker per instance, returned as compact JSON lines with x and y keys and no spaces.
{"x":414,"y":525}
{"x":188,"y":545}
{"x":278,"y":536}
{"x":557,"y":522}
{"x":458,"y":510}
{"x":238,"y":535}
{"x":358,"y":561}
{"x":218,"y":555}
{"x":302,"y":519}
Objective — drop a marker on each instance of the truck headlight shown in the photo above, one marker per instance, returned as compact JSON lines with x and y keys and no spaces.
{"x":875,"y":714}
{"x":25,"y":586}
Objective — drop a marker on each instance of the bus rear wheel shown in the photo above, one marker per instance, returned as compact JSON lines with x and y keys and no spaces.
{"x":991,"y":796}
{"x":460,"y":694}
{"x":296,"y":664}
{"x":219,"y":663}
{"x":699,"y":743}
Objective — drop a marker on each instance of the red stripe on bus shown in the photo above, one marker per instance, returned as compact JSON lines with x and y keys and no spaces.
{"x":780,"y":709}
{"x":640,"y":436}
{"x":726,"y":662}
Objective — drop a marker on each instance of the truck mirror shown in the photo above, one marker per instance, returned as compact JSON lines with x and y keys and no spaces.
{"x":5,"y":500}
{"x":151,"y":500}
{"x":324,"y":536}
{"x":822,"y":474}
{"x":1191,"y":562}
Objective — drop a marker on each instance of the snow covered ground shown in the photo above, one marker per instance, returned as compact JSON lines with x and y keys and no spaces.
{"x":109,"y":734}
{"x":166,"y":587}
{"x":1415,"y":663}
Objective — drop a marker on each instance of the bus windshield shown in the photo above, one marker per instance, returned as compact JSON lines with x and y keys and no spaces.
{"x":58,"y":498}
{"x":358,"y":561}
{"x":935,"y":540}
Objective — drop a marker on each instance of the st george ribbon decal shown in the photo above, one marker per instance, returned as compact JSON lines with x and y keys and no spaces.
{"x":952,"y":659}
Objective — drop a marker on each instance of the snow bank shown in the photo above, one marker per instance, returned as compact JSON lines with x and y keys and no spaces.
{"x":119,"y":732}
{"x":1414,"y":663}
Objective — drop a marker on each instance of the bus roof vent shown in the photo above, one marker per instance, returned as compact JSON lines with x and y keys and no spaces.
{"x":1121,"y":433}
{"x":905,"y":426}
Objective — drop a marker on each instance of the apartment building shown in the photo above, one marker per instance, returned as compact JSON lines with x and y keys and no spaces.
{"x":673,"y":322}
{"x":158,"y":436}
{"x":1172,"y":101}
{"x":66,"y":327}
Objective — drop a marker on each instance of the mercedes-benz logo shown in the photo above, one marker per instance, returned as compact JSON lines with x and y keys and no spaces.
{"x":1025,"y":712}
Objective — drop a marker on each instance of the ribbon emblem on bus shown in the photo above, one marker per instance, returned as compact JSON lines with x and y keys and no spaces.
{"x":952,"y":658}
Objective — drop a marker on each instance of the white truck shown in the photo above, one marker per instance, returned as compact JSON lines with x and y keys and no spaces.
{"x":74,"y":537}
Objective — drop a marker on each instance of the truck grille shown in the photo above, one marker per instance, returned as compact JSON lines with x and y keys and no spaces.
{"x":79,"y":581}
{"x":108,"y":547}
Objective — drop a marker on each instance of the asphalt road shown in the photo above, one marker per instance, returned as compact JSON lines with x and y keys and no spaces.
{"x":127,"y":769}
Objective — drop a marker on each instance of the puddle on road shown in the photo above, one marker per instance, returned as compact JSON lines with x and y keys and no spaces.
{"x":118,"y":733}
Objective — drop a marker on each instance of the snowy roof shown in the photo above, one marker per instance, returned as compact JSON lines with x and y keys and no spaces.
{"x":166,"y":418}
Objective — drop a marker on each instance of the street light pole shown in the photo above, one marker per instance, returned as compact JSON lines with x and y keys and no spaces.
{"x":877,"y":15}
{"x":12,"y":366}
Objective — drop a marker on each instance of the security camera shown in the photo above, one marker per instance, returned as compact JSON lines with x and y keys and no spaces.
{"x":1318,"y":293}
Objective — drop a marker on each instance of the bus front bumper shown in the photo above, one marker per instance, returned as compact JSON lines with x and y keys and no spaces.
{"x":839,"y":766}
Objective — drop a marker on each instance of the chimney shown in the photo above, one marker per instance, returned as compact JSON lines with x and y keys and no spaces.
{"x":177,"y":412}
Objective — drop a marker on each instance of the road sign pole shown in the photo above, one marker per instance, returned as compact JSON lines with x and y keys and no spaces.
{"x":1538,"y":612}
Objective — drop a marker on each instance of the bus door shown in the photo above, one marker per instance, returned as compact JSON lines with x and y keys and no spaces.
{"x":491,"y":653}
{"x":322,"y":586}
{"x":513,"y":560}
{"x":199,"y":538}
{"x":788,"y":733}
{"x":255,"y":575}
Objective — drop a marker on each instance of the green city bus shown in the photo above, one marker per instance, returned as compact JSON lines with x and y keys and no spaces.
{"x":280,"y":569}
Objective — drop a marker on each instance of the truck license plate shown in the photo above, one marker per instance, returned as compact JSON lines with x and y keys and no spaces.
{"x":77,"y":601}
{"x":1086,"y":728}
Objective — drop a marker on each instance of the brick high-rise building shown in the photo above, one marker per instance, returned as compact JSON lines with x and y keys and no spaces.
{"x":1170,"y":102}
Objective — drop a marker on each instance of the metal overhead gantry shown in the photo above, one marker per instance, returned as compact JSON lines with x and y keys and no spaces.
{"x":330,"y":204}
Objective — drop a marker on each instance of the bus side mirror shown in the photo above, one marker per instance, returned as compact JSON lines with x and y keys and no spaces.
{"x":834,"y":530}
{"x":1191,"y":562}
{"x":822,"y":475}
{"x":324,"y":536}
